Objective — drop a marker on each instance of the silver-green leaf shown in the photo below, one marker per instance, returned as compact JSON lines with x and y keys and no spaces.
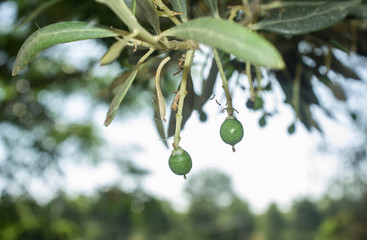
{"x":54,"y":34}
{"x":150,"y":13}
{"x":301,"y":20}
{"x":231,"y":38}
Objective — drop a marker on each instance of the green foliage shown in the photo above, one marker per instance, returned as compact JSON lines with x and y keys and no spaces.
{"x":286,"y":18}
{"x":303,"y":19}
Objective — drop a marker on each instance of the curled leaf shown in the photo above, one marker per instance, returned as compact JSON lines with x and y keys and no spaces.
{"x":160,"y":97}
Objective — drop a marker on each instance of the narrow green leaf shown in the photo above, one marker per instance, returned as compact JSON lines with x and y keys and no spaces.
{"x":150,"y":13}
{"x":231,"y":38}
{"x":123,"y":88}
{"x":54,"y":34}
{"x":158,"y":123}
{"x":180,"y":7}
{"x":113,"y":52}
{"x":213,"y":5}
{"x":121,"y":92}
{"x":303,"y":20}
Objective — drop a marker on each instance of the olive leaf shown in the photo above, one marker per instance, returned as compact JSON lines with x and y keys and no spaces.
{"x":303,"y":20}
{"x":54,"y":34}
{"x":113,"y":52}
{"x":150,"y":13}
{"x":123,"y":88}
{"x":231,"y":38}
{"x":180,"y":7}
{"x":121,"y":92}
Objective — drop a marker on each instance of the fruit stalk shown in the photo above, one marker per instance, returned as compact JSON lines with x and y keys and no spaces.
{"x":182,"y":93}
{"x":249,"y":76}
{"x":225,"y":83}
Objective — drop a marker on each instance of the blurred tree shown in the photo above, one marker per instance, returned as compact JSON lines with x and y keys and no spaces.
{"x":215,"y":212}
{"x":210,"y":186}
{"x":274,"y":223}
{"x":345,"y":218}
{"x":305,"y":220}
{"x":112,"y":214}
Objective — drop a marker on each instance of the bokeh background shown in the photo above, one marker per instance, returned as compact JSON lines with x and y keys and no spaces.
{"x":63,"y":175}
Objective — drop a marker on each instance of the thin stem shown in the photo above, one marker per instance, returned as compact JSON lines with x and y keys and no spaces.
{"x":249,"y":76}
{"x":225,"y":83}
{"x":143,"y":58}
{"x":169,"y":13}
{"x":258,"y":78}
{"x":182,"y":93}
{"x":296,"y":89}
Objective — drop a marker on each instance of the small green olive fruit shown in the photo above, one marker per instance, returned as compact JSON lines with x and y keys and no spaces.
{"x":231,"y":131}
{"x":180,"y":162}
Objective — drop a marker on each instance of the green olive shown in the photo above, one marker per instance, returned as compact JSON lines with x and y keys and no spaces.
{"x":180,"y":162}
{"x":231,"y":131}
